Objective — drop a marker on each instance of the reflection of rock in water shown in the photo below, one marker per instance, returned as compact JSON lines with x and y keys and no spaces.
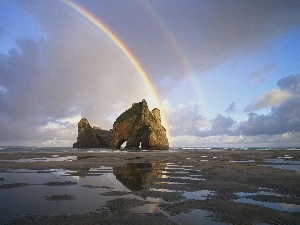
{"x":134,"y":175}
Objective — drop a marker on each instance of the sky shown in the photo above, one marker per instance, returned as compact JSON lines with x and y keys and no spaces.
{"x":223,"y":73}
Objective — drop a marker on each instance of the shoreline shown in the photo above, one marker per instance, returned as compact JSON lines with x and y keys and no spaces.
{"x":241,"y":187}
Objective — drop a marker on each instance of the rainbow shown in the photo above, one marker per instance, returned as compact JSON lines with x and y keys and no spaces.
{"x":170,"y":40}
{"x":104,"y":28}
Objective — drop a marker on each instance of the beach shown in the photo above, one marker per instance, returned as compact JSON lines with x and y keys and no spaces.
{"x":151,"y":187}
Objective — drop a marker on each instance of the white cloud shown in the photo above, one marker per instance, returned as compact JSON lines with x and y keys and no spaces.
{"x":185,"y":119}
{"x":61,"y":124}
{"x":269,"y":99}
{"x":283,"y":118}
{"x":286,"y":140}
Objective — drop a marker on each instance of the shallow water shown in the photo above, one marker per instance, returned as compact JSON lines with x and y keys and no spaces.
{"x":278,"y":206}
{"x":58,"y":191}
{"x":53,"y":158}
{"x":198,"y":195}
{"x":84,"y":190}
{"x":31,"y":199}
{"x":284,"y":163}
{"x":245,"y":197}
{"x":191,"y":218}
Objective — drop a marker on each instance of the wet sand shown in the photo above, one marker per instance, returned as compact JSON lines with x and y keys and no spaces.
{"x":231,"y":187}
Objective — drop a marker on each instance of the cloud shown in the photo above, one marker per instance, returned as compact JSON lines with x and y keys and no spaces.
{"x":239,"y":141}
{"x":290,"y":83}
{"x":263,"y":75}
{"x":186,"y":120}
{"x":271,"y":98}
{"x":220,"y":125}
{"x":220,"y":30}
{"x":283,"y":118}
{"x":230,"y":108}
{"x":279,"y":128}
{"x":75,"y":70}
{"x":197,"y":35}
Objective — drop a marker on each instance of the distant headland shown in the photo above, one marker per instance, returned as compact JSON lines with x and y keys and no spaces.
{"x":139,"y":127}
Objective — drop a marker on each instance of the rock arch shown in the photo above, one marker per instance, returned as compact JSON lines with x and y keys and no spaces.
{"x":139,"y":126}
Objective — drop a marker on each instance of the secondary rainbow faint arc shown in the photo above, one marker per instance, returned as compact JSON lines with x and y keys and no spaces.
{"x":170,"y":40}
{"x":98,"y":23}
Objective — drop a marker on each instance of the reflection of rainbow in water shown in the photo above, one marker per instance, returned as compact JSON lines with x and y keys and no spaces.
{"x":155,"y":208}
{"x":104,"y":28}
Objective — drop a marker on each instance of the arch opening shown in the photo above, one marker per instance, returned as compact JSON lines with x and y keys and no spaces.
{"x":123,"y":144}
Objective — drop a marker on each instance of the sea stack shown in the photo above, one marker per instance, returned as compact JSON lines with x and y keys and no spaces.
{"x":92,"y":137}
{"x":141,"y":128}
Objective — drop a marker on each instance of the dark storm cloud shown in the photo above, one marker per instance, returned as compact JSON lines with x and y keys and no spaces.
{"x":282,"y":118}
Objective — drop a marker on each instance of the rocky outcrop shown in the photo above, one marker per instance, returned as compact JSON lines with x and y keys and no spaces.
{"x":92,"y":137}
{"x":141,"y":129}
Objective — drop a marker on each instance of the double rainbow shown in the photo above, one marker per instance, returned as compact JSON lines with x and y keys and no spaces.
{"x":104,"y":28}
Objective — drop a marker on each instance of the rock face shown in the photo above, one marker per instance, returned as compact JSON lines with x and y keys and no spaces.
{"x":141,"y":129}
{"x":92,"y":137}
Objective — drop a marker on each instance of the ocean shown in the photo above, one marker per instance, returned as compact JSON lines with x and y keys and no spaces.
{"x":172,"y":149}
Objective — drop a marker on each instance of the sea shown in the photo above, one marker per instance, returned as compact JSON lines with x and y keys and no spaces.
{"x":171,"y":149}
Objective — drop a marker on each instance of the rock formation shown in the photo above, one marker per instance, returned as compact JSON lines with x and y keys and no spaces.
{"x":141,"y":129}
{"x":92,"y":137}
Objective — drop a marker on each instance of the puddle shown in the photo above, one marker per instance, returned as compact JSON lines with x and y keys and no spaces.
{"x":285,"y":167}
{"x":58,"y":191}
{"x":198,"y":195}
{"x":162,"y":190}
{"x":196,"y":217}
{"x":184,"y":178}
{"x":149,"y":208}
{"x":188,"y":178}
{"x":90,"y":171}
{"x":266,"y":192}
{"x":174,"y":172}
{"x":53,"y":158}
{"x":52,"y":193}
{"x":169,"y":182}
{"x":285,"y":157}
{"x":243,"y":161}
{"x":277,"y":206}
{"x":282,"y":163}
